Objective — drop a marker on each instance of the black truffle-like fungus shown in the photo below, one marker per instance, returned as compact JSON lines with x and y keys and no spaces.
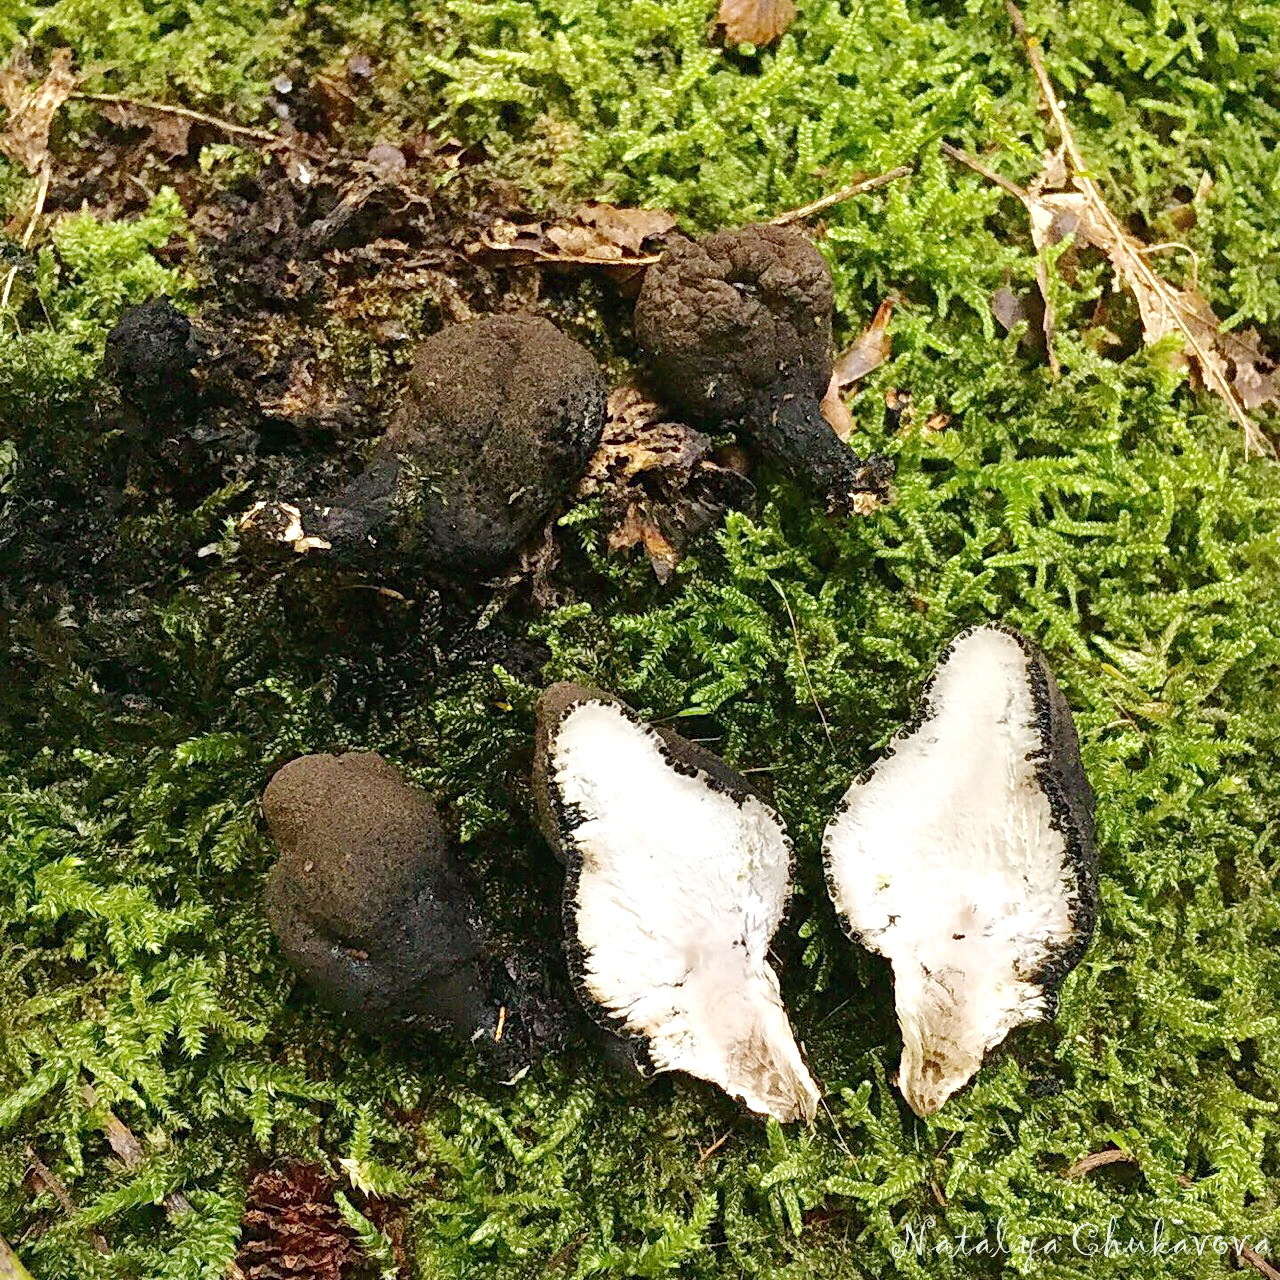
{"x":372,"y":908}
{"x":151,"y":353}
{"x":966,"y":857}
{"x":737,"y":328}
{"x":678,"y":877}
{"x":496,"y":426}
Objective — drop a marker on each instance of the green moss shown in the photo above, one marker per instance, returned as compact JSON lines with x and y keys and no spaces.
{"x":77,"y":285}
{"x":221,"y":55}
{"x":1110,"y":513}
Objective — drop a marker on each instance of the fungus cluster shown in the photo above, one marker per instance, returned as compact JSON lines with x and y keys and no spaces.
{"x":965,"y":857}
{"x":737,"y":328}
{"x":678,"y":877}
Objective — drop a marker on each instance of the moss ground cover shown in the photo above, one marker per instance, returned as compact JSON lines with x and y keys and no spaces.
{"x":1108,"y":512}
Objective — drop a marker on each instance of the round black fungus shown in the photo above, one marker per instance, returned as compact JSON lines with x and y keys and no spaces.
{"x":368,"y":901}
{"x":737,"y":328}
{"x":497,"y":424}
{"x":150,"y":354}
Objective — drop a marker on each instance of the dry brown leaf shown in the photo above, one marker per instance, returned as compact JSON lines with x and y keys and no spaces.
{"x":599,"y":234}
{"x":1253,"y":371}
{"x":1065,"y":200}
{"x":757,"y":22}
{"x":868,"y":351}
{"x":658,"y":482}
{"x":627,"y":228}
{"x":836,"y":412}
{"x":1231,"y":365}
{"x":25,"y":137}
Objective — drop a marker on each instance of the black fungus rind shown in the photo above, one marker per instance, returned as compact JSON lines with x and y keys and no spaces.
{"x":366,"y":899}
{"x":1060,"y":773}
{"x":558,"y":822}
{"x":737,"y":327}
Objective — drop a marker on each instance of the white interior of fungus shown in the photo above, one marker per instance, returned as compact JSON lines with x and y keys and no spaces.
{"x":945,"y":862}
{"x":679,"y":892}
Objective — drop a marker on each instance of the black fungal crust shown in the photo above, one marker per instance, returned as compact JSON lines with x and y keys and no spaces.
{"x":558,"y":822}
{"x":1060,"y":774}
{"x":369,"y":904}
{"x":497,"y":424}
{"x":737,"y":327}
{"x":150,"y":355}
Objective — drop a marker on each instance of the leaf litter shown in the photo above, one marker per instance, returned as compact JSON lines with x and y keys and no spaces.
{"x":1064,"y":200}
{"x":757,"y":22}
{"x":868,"y":351}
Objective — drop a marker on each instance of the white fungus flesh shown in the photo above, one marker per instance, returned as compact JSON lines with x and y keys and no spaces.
{"x":965,"y":857}
{"x":678,"y":883}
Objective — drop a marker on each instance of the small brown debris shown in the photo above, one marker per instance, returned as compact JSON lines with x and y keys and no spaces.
{"x":292,"y":1227}
{"x":868,"y":351}
{"x":1097,"y":1160}
{"x":758,"y":22}
{"x":170,"y":133}
{"x":25,"y":137}
{"x":626,"y":228}
{"x":872,"y":347}
{"x":598,"y":234}
{"x":658,"y":481}
{"x":836,"y":411}
{"x":1253,"y":370}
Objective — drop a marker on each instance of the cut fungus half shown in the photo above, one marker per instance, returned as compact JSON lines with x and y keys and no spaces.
{"x":679,"y":875}
{"x":965,"y":857}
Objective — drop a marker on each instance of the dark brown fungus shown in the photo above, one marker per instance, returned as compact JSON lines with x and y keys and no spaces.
{"x":737,"y":328}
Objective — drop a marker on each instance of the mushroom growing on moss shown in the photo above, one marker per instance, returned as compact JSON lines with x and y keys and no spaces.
{"x":497,"y":424}
{"x":372,"y":908}
{"x":678,"y":877}
{"x":965,"y":857}
{"x":737,"y":328}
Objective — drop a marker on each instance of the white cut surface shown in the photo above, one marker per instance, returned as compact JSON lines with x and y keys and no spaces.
{"x":680,"y":890}
{"x":945,"y":862}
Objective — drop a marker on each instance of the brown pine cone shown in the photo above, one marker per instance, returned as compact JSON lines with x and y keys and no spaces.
{"x":292,"y":1229}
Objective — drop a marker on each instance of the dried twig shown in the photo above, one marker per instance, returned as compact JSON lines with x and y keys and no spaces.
{"x":57,"y":1188}
{"x":1097,"y":1160}
{"x":990,"y":174}
{"x":46,"y":172}
{"x":707,"y":1152}
{"x":1259,"y":1264}
{"x":187,"y":113}
{"x":838,"y":197}
{"x":804,"y":666}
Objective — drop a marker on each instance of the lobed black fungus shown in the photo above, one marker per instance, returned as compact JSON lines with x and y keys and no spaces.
{"x":373,"y":910}
{"x":966,"y":857}
{"x":498,"y":422}
{"x":737,"y":328}
{"x":151,"y":353}
{"x":678,"y":877}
